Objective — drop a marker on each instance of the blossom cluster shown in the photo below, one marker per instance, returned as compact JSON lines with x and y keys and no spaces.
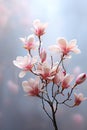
{"x":47,"y":73}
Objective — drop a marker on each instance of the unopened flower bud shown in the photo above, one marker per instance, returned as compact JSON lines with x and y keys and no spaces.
{"x":81,"y":78}
{"x":43,"y":55}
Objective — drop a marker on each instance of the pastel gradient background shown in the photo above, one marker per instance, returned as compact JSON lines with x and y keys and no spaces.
{"x":66,"y":18}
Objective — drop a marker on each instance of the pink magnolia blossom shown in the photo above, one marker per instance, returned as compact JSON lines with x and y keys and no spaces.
{"x":46,"y":71}
{"x":43,"y":55}
{"x":49,"y":73}
{"x":64,"y":47}
{"x":66,"y":81}
{"x":29,"y":42}
{"x":58,"y":77}
{"x":25,"y":63}
{"x":81,"y":78}
{"x":32,"y":87}
{"x":79,"y":98}
{"x":39,"y":27}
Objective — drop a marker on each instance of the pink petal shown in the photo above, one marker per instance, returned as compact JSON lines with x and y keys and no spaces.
{"x":26,"y":86}
{"x":36,"y":23}
{"x":72,"y":43}
{"x":62,"y":43}
{"x":68,"y":78}
{"x":31,"y":82}
{"x":76,"y":50}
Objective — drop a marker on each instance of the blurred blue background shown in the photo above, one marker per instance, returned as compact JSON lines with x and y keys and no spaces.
{"x":66,"y":18}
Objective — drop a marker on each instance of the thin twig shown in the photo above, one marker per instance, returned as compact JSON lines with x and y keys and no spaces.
{"x":30,"y":53}
{"x":60,"y":62}
{"x":69,"y":95}
{"x":47,"y":92}
{"x":63,"y":66}
{"x":39,"y":45}
{"x":52,"y":89}
{"x":45,"y":108}
{"x":68,"y":105}
{"x":51,"y":62}
{"x":54,"y":98}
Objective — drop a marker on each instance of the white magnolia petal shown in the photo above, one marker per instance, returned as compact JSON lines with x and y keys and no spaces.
{"x":76,"y":50}
{"x":45,"y":25}
{"x":62,"y":43}
{"x":22,"y":74}
{"x":73,"y":43}
{"x":50,"y":78}
{"x":34,"y":59}
{"x":26,"y":86}
{"x":19,"y":58}
{"x":23,"y":39}
{"x":16,"y":64}
{"x":31,"y":82}
{"x":36,"y":23}
{"x":30,"y":38}
{"x":25,"y":83}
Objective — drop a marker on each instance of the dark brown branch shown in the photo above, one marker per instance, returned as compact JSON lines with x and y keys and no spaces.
{"x":45,"y":108}
{"x":47,"y":93}
{"x":30,"y":53}
{"x":63,"y":67}
{"x":68,"y":105}
{"x":54,"y":118}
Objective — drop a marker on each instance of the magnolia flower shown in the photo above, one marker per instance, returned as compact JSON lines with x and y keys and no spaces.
{"x":78,"y":99}
{"x":81,"y":78}
{"x":32,"y":87}
{"x":43,"y":55}
{"x":25,"y":63}
{"x":39,"y":27}
{"x":58,"y":77}
{"x":66,"y":81}
{"x":64,"y":47}
{"x":29,"y":42}
{"x":46,"y":71}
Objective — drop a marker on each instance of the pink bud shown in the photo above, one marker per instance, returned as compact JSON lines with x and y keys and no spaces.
{"x":43,"y":55}
{"x":81,"y":78}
